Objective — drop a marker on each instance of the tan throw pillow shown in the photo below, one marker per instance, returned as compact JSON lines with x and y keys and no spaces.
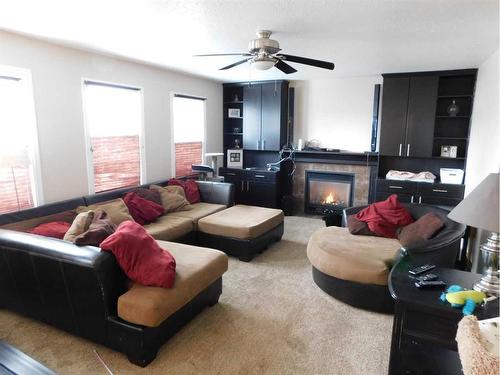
{"x":170,"y":189}
{"x":172,"y":199}
{"x":100,"y":229}
{"x":116,"y":209}
{"x":80,"y":224}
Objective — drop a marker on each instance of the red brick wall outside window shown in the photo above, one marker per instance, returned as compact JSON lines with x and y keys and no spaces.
{"x":186,"y":154}
{"x":116,"y":162}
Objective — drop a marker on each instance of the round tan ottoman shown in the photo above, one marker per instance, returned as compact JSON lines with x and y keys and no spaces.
{"x":353,"y":268}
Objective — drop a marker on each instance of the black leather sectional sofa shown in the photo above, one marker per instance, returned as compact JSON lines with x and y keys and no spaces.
{"x":77,"y":288}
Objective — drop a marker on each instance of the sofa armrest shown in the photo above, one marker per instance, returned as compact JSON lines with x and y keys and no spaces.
{"x":350,"y":211}
{"x":216,"y":192}
{"x":75,"y":288}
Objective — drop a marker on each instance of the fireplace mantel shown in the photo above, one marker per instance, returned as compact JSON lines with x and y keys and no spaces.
{"x":340,"y":157}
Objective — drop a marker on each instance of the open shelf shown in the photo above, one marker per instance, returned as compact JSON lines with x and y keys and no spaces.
{"x":228,"y":133}
{"x":233,"y":102}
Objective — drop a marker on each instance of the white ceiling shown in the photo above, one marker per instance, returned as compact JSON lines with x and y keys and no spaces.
{"x":362,"y":37}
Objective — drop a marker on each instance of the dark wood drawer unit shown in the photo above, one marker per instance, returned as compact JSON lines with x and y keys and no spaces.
{"x":255,"y":187}
{"x":421,"y":192}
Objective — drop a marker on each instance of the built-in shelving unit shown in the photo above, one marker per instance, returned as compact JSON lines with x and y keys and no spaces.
{"x":232,"y":126}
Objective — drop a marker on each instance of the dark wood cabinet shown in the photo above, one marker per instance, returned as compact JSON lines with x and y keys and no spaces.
{"x":264,"y":115}
{"x":253,"y":117}
{"x":394,"y":113}
{"x":274,"y":118}
{"x":447,"y":195}
{"x":254,"y":187}
{"x":422,"y":101}
{"x":408,"y":111}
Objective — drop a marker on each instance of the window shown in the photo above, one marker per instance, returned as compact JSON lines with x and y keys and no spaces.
{"x":19,"y":172}
{"x":113,"y":119}
{"x":189,"y":132}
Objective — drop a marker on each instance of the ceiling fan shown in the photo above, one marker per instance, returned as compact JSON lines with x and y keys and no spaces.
{"x":263,"y":54}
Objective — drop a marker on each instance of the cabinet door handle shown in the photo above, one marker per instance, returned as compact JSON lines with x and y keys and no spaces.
{"x":248,"y":185}
{"x":242,"y":185}
{"x":411,"y":200}
{"x":440,"y":190}
{"x":230,"y":174}
{"x":408,"y":150}
{"x":400,"y":148}
{"x":395,"y":187}
{"x":420,"y":199}
{"x":260,"y":176}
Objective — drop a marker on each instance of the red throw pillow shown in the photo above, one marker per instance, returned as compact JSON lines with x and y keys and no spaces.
{"x":190,"y":189}
{"x":55,"y":229}
{"x":140,"y":256}
{"x":385,"y":217}
{"x":142,"y":210}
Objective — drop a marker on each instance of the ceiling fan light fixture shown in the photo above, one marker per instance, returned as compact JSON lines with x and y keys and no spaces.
{"x":263,"y":62}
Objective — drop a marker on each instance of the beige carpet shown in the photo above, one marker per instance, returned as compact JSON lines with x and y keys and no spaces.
{"x":271,"y":319}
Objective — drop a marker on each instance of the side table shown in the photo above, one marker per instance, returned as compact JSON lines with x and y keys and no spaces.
{"x":424,"y":328}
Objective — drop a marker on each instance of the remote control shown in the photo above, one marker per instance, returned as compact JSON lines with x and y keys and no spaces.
{"x":430,"y":284}
{"x":421,"y":269}
{"x":428,"y":277}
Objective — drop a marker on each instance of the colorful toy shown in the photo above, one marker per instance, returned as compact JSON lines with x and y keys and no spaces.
{"x":460,"y":297}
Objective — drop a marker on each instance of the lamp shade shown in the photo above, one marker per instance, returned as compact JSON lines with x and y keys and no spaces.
{"x":480,"y":208}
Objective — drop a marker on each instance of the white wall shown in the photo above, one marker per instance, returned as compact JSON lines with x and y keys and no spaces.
{"x":337,"y":112}
{"x":484,"y":143}
{"x":57,"y":74}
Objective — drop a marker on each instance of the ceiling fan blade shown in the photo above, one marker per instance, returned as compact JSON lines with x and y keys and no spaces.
{"x":306,"y":61}
{"x":225,"y":54}
{"x":234,"y":64}
{"x":284,"y":67}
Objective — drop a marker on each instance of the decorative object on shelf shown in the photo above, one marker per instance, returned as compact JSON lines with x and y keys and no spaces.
{"x":236,"y":99}
{"x":235,"y":158}
{"x":449,"y":151}
{"x":480,"y":210}
{"x":451,"y":175}
{"x":453,"y":109}
{"x":236,"y":143}
{"x":237,"y":130}
{"x":233,"y":112}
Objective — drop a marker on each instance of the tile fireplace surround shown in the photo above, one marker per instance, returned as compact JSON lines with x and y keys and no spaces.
{"x":364,"y":167}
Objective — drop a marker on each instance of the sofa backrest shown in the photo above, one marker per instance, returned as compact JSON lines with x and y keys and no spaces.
{"x":33,"y":216}
{"x":73,"y":288}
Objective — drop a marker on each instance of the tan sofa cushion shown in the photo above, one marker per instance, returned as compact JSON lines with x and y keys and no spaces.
{"x":169,"y":227}
{"x":197,"y":268}
{"x":116,"y":209}
{"x":198,"y":211}
{"x":364,"y":259}
{"x":242,"y":222}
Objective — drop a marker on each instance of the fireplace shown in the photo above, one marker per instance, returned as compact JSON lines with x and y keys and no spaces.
{"x":328,"y":192}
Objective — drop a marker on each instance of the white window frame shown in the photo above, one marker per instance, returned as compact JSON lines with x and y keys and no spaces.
{"x":172,"y":128}
{"x":88,"y":142}
{"x":25,"y":77}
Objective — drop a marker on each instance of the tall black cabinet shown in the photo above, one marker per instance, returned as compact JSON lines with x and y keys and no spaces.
{"x":263,"y":107}
{"x":417,"y":125}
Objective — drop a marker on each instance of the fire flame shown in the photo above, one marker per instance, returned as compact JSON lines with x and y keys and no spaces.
{"x":330,"y":199}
